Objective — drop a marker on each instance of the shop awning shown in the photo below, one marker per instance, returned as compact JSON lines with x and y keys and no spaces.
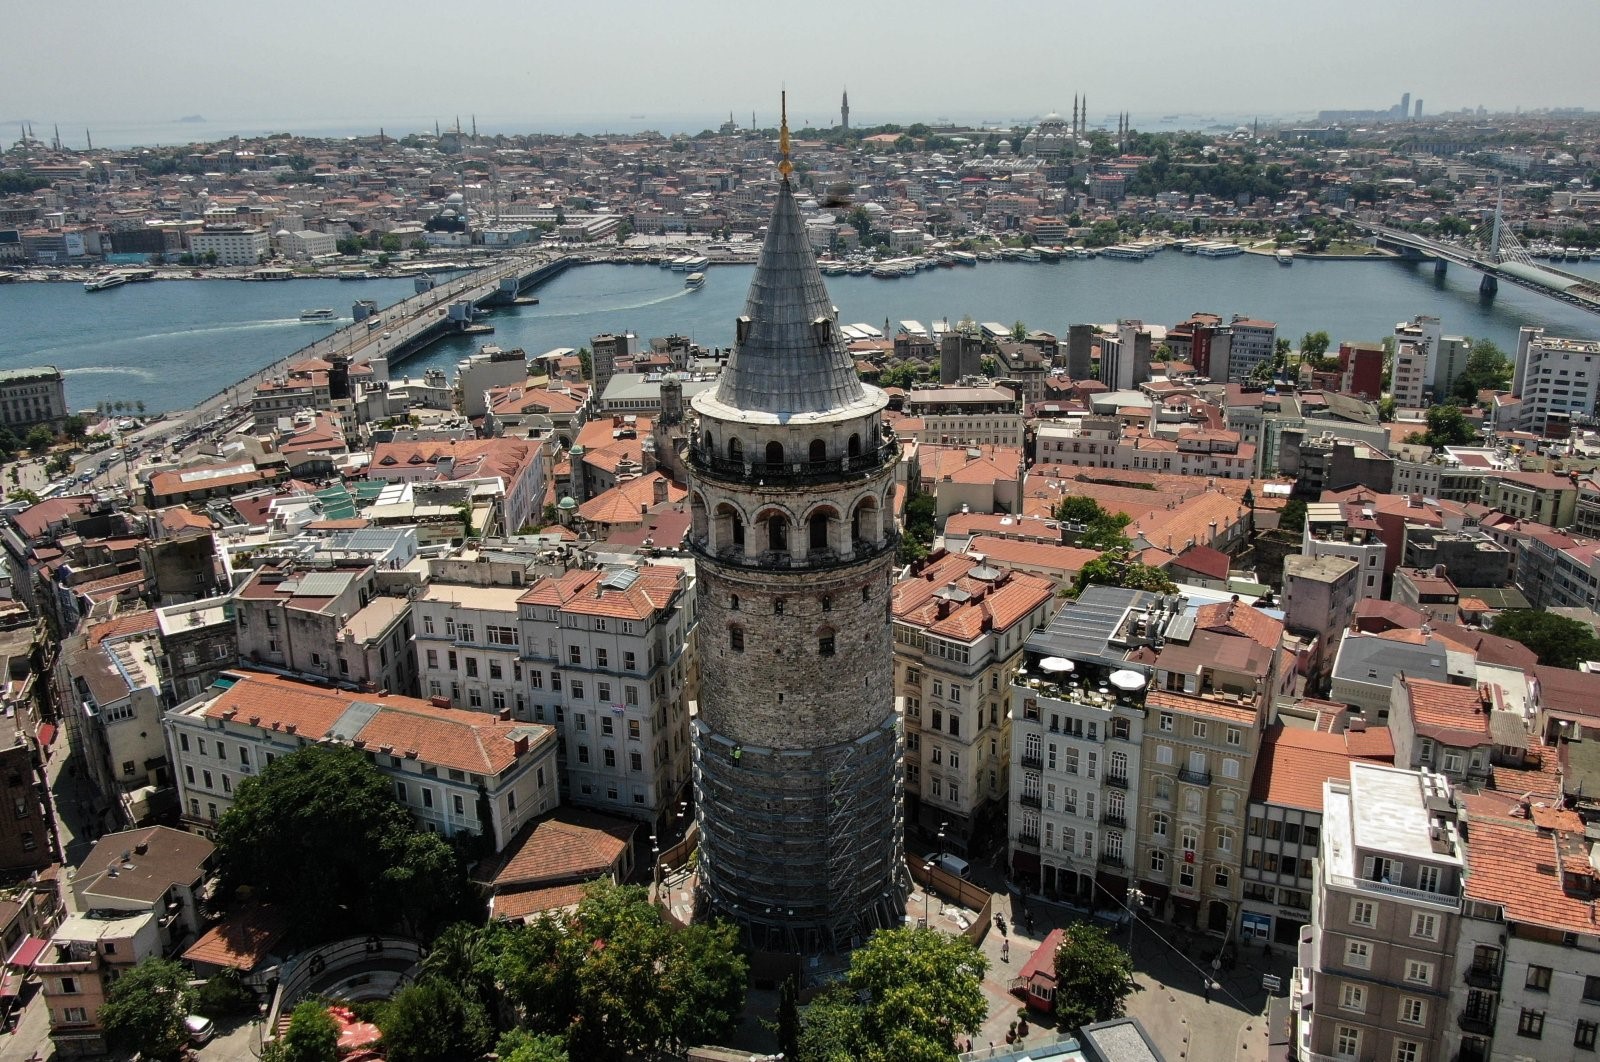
{"x":27,"y":953}
{"x":47,"y":735}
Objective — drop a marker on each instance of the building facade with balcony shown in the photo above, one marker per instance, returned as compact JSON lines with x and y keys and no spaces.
{"x":607,"y":658}
{"x":1076,"y":739}
{"x":959,"y":628}
{"x":1374,"y":970}
{"x":468,"y":647}
{"x":1526,"y":976}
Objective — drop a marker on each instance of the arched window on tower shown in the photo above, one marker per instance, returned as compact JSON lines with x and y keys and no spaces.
{"x":733,"y":603}
{"x":774,"y":453}
{"x":819,"y":451}
{"x":825,"y":641}
{"x":777,"y":534}
{"x":705,"y":444}
{"x":736,"y":639}
{"x":735,"y":450}
{"x":855,"y":446}
{"x":819,"y":531}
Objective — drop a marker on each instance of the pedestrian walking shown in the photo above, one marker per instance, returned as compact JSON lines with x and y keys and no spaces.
{"x":1005,"y":950}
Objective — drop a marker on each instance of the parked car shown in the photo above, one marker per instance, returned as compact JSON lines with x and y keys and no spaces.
{"x":199,"y":1028}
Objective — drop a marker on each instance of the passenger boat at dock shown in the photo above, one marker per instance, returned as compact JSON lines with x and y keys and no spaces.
{"x":694,"y":281}
{"x":105,"y":283}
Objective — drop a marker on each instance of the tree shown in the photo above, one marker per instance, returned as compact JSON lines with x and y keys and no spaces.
{"x":57,"y":465}
{"x":1314,"y":344}
{"x":1292,"y":517}
{"x":331,"y":800}
{"x":312,"y":1036}
{"x":615,"y":979}
{"x":391,"y":243}
{"x":1093,"y":977}
{"x":919,"y":990}
{"x":145,"y":1008}
{"x":1118,"y":568}
{"x":1556,"y":640}
{"x":433,"y":1021}
{"x":586,"y":363}
{"x":350,"y":244}
{"x":75,"y":428}
{"x":921,"y":525}
{"x":224,"y":995}
{"x":211,"y":258}
{"x":1019,"y":330}
{"x":519,"y":1045}
{"x":1447,"y":426}
{"x":39,"y":439}
{"x":1101,"y":530}
{"x":830,"y":1028}
{"x":1487,"y":369}
{"x":420,"y":245}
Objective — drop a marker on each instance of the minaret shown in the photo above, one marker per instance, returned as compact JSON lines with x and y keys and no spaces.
{"x":844,"y":111}
{"x":797,"y":747}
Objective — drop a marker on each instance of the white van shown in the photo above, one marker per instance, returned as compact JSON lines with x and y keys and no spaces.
{"x":951,"y":864}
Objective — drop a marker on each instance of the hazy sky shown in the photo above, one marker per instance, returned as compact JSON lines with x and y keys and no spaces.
{"x":536,"y":65}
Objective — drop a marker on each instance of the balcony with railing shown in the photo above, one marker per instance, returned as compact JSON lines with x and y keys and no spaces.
{"x":1483,"y":975}
{"x":1027,"y":840}
{"x":1118,"y":781}
{"x":1114,"y":818}
{"x":1032,"y":761}
{"x":1112,"y":859}
{"x":1031,"y":800}
{"x":1479,"y":1021}
{"x":1439,"y":900}
{"x":739,"y":469}
{"x":1194,"y":777}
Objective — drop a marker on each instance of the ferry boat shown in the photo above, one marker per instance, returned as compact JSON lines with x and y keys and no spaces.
{"x":318,"y":316}
{"x":1125,"y":253}
{"x":1028,"y":254}
{"x":106,"y":282}
{"x":694,"y":281}
{"x":1219,"y":250}
{"x":966,"y":258}
{"x":1285,"y":258}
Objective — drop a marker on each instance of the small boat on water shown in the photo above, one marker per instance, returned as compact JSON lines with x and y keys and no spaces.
{"x":318,"y":316}
{"x":694,"y":281}
{"x":105,"y":283}
{"x":1285,"y":258}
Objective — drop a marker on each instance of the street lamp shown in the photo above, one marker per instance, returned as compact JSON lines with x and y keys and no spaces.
{"x":655,"y":866}
{"x":1135,"y":899}
{"x":927,"y":884}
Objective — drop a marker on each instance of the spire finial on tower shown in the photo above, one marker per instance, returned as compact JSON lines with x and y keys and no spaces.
{"x":785,"y":167}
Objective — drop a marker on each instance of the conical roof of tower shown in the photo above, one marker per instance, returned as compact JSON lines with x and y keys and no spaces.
{"x":792,"y":359}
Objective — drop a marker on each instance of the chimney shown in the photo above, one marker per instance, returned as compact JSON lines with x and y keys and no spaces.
{"x":141,"y":848}
{"x":505,"y":715}
{"x":659,"y":490}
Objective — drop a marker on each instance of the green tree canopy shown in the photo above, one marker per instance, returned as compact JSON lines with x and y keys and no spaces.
{"x":433,"y":1021}
{"x":1557,"y":640}
{"x":1093,"y":977}
{"x":312,"y":1036}
{"x":1487,"y":369}
{"x":615,"y":979}
{"x":384,"y":873}
{"x":519,"y":1045}
{"x":145,"y":1008}
{"x":1118,"y":568}
{"x":911,"y":992}
{"x":1101,"y":530}
{"x":921,"y":525}
{"x":1447,"y":426}
{"x":1292,"y":517}
{"x":1314,"y":344}
{"x":39,"y":439}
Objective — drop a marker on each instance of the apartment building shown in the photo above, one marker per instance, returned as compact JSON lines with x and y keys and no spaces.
{"x":1348,"y":529}
{"x":198,"y":640}
{"x":959,"y":629}
{"x":1376,"y":964}
{"x":1206,"y":707}
{"x":1076,"y":743}
{"x":1254,"y":343}
{"x":456,"y":771}
{"x":1429,"y":591}
{"x":135,"y":896}
{"x":234,"y":245}
{"x":326,"y":623}
{"x":1103,"y":442}
{"x":1449,"y":729}
{"x":32,"y":396}
{"x":116,"y":692}
{"x":1319,"y":598}
{"x":468,"y":647}
{"x":1285,"y":822}
{"x":1526,"y":975}
{"x":608,"y":660}
{"x":970,"y":415}
{"x":1555,"y":379}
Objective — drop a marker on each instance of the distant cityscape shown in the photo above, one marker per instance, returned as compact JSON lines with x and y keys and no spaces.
{"x":1252,"y":670}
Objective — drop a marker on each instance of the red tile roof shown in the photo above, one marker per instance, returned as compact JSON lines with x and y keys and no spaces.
{"x":1451,"y":715}
{"x":569,"y":845}
{"x":242,"y":940}
{"x":1294,"y":763}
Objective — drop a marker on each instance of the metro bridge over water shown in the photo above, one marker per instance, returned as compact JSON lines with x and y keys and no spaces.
{"x":1500,"y":257}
